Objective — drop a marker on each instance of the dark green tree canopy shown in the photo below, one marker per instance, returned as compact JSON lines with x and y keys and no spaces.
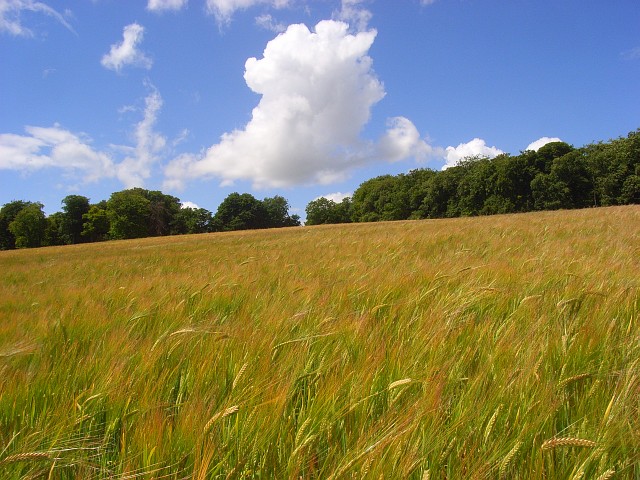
{"x":320,"y":211}
{"x":323,"y":210}
{"x":96,"y":224}
{"x":73,"y":209}
{"x":241,"y":212}
{"x":128,"y":212}
{"x":556,"y":176}
{"x":277,"y":209}
{"x":192,"y":220}
{"x":8,"y":213}
{"x":29,"y":226}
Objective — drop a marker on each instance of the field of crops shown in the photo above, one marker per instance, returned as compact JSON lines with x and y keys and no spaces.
{"x":491,"y":347}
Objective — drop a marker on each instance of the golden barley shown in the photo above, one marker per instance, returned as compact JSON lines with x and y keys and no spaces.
{"x":567,"y":442}
{"x":607,"y":474}
{"x":26,"y":457}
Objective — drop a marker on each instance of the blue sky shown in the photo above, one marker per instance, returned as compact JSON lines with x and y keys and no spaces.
{"x":301,"y":98}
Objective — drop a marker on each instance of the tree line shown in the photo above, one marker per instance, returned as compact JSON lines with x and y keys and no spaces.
{"x":134,"y":213}
{"x":556,"y":176}
{"x":553,"y":177}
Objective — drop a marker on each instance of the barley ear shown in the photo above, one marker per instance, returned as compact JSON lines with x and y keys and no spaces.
{"x":507,"y":460}
{"x":26,"y":457}
{"x":491,"y":423}
{"x":238,"y":376}
{"x":567,"y":442}
{"x":606,"y":475}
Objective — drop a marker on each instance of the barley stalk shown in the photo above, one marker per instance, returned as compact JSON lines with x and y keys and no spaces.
{"x":301,"y":431}
{"x":507,"y":460}
{"x":219,"y":415}
{"x":399,"y":383}
{"x":579,"y":474}
{"x":492,"y":421}
{"x":575,"y":378}
{"x":447,"y":450}
{"x":26,"y":457}
{"x":183,"y":330}
{"x":567,"y":442}
{"x":306,"y":442}
{"x":230,"y":411}
{"x":238,"y":376}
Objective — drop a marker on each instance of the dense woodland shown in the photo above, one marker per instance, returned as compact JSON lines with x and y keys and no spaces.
{"x":556,"y":176}
{"x":134,"y":213}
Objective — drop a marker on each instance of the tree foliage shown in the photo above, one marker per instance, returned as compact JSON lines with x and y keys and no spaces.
{"x":71,"y":222}
{"x":277,"y":210}
{"x":8,"y":213}
{"x":128,"y":214}
{"x":556,"y":176}
{"x":29,"y":226}
{"x":323,"y":210}
{"x":244,"y":211}
{"x":134,"y":213}
{"x":96,"y":226}
{"x":192,"y":220}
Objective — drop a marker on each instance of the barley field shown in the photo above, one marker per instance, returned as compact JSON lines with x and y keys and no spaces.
{"x":493,"y":347}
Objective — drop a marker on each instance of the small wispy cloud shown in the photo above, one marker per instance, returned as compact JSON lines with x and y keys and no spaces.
{"x":163,"y":5}
{"x":352,"y":12}
{"x":632,"y":54}
{"x":11,"y":16}
{"x":182,"y":136}
{"x":137,"y":165}
{"x":267,"y":22}
{"x":126,"y":109}
{"x":127,"y":52}
{"x":223,"y":10}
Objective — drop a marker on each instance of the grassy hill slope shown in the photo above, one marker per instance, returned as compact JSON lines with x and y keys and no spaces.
{"x":487,"y":347}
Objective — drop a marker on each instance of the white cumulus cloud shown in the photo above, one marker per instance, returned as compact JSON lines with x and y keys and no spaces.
{"x":541,"y":142}
{"x":317,"y":90}
{"x":11,"y":16}
{"x":54,"y":147}
{"x":223,"y":10}
{"x":191,"y":205}
{"x":127,"y":52}
{"x":402,"y":140}
{"x":161,"y":5}
{"x":336,"y":196}
{"x":476,"y":147}
{"x":267,"y":22}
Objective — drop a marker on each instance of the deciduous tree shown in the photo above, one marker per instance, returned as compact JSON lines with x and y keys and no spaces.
{"x":29,"y":226}
{"x":73,"y":208}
